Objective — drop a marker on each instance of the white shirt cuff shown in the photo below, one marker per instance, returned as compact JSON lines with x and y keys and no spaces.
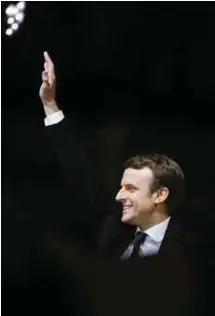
{"x":54,"y":118}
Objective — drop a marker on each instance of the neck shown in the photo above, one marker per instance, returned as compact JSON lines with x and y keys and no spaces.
{"x":155,"y":218}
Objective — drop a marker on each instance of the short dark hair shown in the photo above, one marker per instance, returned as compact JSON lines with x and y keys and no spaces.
{"x":167,"y":173}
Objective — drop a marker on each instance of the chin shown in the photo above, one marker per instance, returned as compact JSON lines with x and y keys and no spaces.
{"x":127,"y":219}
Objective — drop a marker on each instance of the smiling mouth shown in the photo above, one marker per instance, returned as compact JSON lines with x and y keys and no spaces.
{"x":126,"y":208}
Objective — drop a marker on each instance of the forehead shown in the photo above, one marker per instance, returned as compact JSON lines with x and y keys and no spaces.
{"x":137,"y":177}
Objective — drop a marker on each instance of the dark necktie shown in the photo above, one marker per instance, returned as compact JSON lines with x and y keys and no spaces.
{"x":138,"y":240}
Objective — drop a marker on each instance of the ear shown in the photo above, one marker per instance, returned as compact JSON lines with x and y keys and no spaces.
{"x":161,"y":195}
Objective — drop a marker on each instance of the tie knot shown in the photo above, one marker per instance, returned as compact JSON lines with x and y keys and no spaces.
{"x":139,"y":239}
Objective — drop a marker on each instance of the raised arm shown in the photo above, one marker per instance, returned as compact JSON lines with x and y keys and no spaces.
{"x":71,"y":155}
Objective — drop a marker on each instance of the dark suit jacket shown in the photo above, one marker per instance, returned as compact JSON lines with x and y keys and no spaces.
{"x":168,"y":278}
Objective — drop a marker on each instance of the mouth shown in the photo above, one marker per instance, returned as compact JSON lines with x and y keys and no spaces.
{"x":126,"y":208}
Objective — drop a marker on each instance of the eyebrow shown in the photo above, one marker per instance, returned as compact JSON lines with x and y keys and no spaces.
{"x":129,"y":185}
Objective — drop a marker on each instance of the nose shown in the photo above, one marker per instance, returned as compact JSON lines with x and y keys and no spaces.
{"x":120,"y":196}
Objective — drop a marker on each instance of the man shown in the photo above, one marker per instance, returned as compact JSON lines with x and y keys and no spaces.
{"x":152,"y":189}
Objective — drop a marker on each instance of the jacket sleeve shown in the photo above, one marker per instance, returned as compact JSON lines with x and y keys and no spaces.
{"x":80,"y":174}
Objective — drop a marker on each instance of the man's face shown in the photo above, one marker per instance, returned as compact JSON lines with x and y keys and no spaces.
{"x":135,"y":195}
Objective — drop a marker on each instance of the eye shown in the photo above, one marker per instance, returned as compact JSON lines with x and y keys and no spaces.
{"x":131,"y":188}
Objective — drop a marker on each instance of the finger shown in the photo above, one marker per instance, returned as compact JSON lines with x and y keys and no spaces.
{"x":46,"y":67}
{"x":51,"y":80}
{"x":48,"y":60}
{"x":49,"y":67}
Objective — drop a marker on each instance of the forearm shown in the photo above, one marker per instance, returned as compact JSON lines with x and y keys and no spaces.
{"x":81,"y":177}
{"x":72,"y":156}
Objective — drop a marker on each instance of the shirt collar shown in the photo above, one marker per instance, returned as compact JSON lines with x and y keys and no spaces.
{"x":157,"y":232}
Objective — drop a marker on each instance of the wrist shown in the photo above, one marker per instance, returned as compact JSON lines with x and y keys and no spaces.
{"x":50,"y":107}
{"x":51,"y":104}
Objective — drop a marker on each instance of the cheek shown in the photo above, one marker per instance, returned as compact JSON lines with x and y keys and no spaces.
{"x":137,"y":199}
{"x":143,"y":202}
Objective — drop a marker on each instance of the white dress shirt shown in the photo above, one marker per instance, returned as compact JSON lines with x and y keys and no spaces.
{"x":151,"y":246}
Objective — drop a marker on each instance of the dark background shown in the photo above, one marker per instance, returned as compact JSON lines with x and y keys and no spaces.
{"x":135,"y":77}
